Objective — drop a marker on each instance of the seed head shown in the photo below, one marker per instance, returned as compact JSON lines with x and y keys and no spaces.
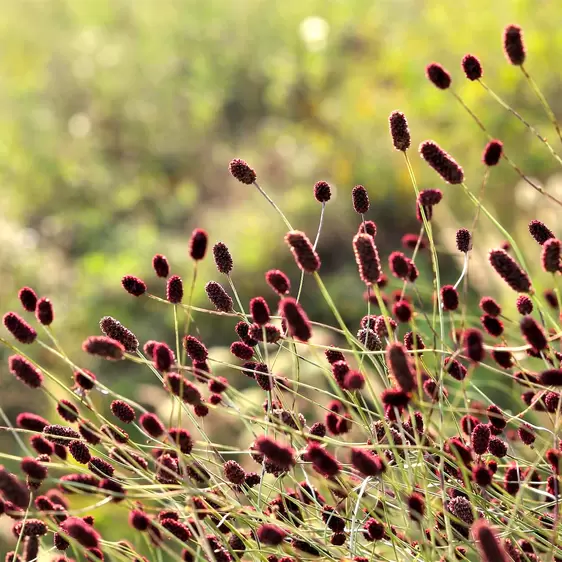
{"x":492,"y":325}
{"x":105,"y":347}
{"x":195,"y":349}
{"x":241,"y":171}
{"x":551,"y":377}
{"x":492,"y":153}
{"x":296,"y":318}
{"x":278,"y":454}
{"x":550,"y":255}
{"x":513,"y":45}
{"x":223,"y":259}
{"x":278,"y":281}
{"x":480,"y":437}
{"x":449,"y":297}
{"x":241,"y":351}
{"x":233,"y":472}
{"x":160,"y":265}
{"x":79,"y":451}
{"x":399,"y":131}
{"x":79,"y":530}
{"x":28,"y":298}
{"x":44,"y":312}
{"x":367,"y":258}
{"x":163,"y":357}
{"x":461,"y":508}
{"x":540,"y":232}
{"x":441,"y":162}
{"x":133,"y":285}
{"x":19,"y":328}
{"x":198,"y":244}
{"x":322,"y":191}
{"x":113,"y":329}
{"x":218,"y":297}
{"x":438,"y":76}
{"x":533,"y":333}
{"x":322,"y":462}
{"x":400,"y":366}
{"x":524,"y":305}
{"x":271,"y":535}
{"x":303,"y":252}
{"x":360,"y":199}
{"x":472,"y":67}
{"x":488,"y":543}
{"x":259,"y":310}
{"x":24,"y":371}
{"x":122,"y":411}
{"x":490,"y":306}
{"x":174,"y":289}
{"x":497,"y":447}
{"x":67,"y":411}
{"x":510,"y":271}
{"x":473,"y":345}
{"x":60,"y":434}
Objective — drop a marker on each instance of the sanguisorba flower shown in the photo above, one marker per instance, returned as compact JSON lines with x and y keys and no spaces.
{"x":113,"y":329}
{"x":104,"y":347}
{"x":360,"y":199}
{"x":198,"y":244}
{"x":510,"y":271}
{"x":322,"y":191}
{"x":160,"y":265}
{"x":513,"y":45}
{"x":133,"y":285}
{"x":304,"y":253}
{"x":441,"y":162}
{"x":281,"y":455}
{"x":438,"y":76}
{"x":472,"y":67}
{"x":399,"y":131}
{"x":492,"y":153}
{"x":19,"y":328}
{"x":550,"y":255}
{"x":24,"y":371}
{"x":278,"y":281}
{"x":367,"y":258}
{"x":473,"y":345}
{"x":174,"y":289}
{"x":242,"y":171}
{"x":540,"y":232}
{"x":223,"y":259}
{"x":400,"y":367}
{"x":28,"y":298}
{"x":533,"y":333}
{"x":219,"y":297}
{"x":296,"y":318}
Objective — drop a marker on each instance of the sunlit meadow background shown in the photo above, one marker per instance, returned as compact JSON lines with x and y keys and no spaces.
{"x":118,"y":119}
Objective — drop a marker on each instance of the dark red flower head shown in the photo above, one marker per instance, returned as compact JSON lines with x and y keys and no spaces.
{"x":367,"y":258}
{"x":174,"y":289}
{"x":233,"y":472}
{"x":473,"y":345}
{"x":490,"y":306}
{"x":464,"y":240}
{"x":399,"y":131}
{"x":322,"y":461}
{"x":122,"y":411}
{"x":104,"y":347}
{"x":524,"y":304}
{"x":83,"y":533}
{"x":195,"y":349}
{"x":400,"y":367}
{"x":322,"y":191}
{"x":513,"y":45}
{"x":280,"y":455}
{"x":19,"y":328}
{"x":160,"y":265}
{"x":488,"y":543}
{"x":550,"y":255}
{"x":113,"y":329}
{"x":430,"y":197}
{"x":510,"y":271}
{"x":449,"y":297}
{"x":480,"y":438}
{"x":366,"y":462}
{"x":271,"y":535}
{"x":28,"y":298}
{"x":278,"y":281}
{"x":492,"y":153}
{"x":438,"y":76}
{"x":533,"y":333}
{"x":218,"y":297}
{"x":163,"y":357}
{"x":259,"y":310}
{"x":44,"y":311}
{"x":441,"y":162}
{"x":551,"y":377}
{"x":133,"y":285}
{"x":67,"y":410}
{"x":540,"y":232}
{"x":400,"y":265}
{"x":198,"y":244}
{"x":472,"y":67}
{"x":24,"y":371}
{"x":303,"y":252}
{"x":360,"y":199}
{"x":492,"y":325}
{"x":85,"y":379}
{"x":241,"y":171}
{"x":296,"y":318}
{"x":223,"y":259}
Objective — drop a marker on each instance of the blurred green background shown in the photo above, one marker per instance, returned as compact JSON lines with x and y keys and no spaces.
{"x":118,"y":119}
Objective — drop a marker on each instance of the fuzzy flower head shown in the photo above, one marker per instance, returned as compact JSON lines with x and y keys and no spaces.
{"x":278,"y":281}
{"x":303,"y":252}
{"x":441,"y":162}
{"x":19,"y":328}
{"x":513,"y":45}
{"x":223,"y":259}
{"x":218,"y":297}
{"x":399,"y":131}
{"x":510,"y":271}
{"x":438,"y":76}
{"x":296,"y":318}
{"x":242,"y":171}
{"x":472,"y":67}
{"x":133,"y":285}
{"x":322,"y":191}
{"x":367,"y":258}
{"x":360,"y":199}
{"x":492,"y":153}
{"x":28,"y":298}
{"x":198,"y":244}
{"x":160,"y":265}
